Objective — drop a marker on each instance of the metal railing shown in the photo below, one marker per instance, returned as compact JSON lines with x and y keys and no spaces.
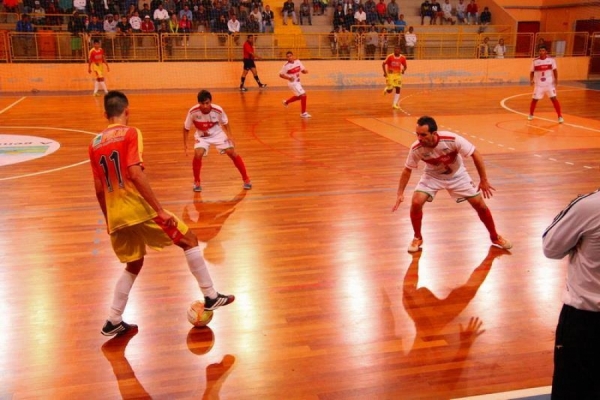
{"x":51,"y":46}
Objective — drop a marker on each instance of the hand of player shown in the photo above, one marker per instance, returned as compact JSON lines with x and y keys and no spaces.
{"x":486,"y":189}
{"x":305,"y":71}
{"x":89,"y":70}
{"x":185,"y":149}
{"x":399,"y":200}
{"x":107,"y":68}
{"x":167,"y":219}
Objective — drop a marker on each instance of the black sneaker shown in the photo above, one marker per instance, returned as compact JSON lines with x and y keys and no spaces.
{"x":120,"y":329}
{"x":221,"y":300}
{"x":263,"y":85}
{"x":243,"y":89}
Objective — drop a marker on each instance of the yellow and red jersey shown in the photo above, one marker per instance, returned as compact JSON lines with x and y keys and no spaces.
{"x":111,"y":154}
{"x":395,"y":65}
{"x":97,"y":56}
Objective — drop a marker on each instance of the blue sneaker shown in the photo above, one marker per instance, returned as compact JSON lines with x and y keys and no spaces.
{"x":247,"y":185}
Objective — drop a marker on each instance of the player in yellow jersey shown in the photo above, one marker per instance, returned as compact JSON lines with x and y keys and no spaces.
{"x":394,"y":67}
{"x":134,"y":216}
{"x":97,"y":60}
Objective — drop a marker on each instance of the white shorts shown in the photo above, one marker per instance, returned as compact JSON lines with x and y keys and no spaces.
{"x":297,"y":88}
{"x":219,"y":140}
{"x":540,"y":91}
{"x":461,"y":186}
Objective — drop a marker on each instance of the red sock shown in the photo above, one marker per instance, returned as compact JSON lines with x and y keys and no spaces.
{"x":556,"y":106}
{"x":416,"y":217}
{"x":292,"y":99}
{"x":239,"y":164}
{"x":303,"y":103}
{"x":485,"y":215}
{"x":532,"y":107}
{"x":196,"y":166}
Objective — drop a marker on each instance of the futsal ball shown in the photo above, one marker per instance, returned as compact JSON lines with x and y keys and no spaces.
{"x":197,"y":315}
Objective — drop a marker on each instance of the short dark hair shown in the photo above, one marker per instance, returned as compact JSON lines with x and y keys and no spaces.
{"x":115,"y":103}
{"x":204,"y":95}
{"x":543,"y":46}
{"x":429,"y":121}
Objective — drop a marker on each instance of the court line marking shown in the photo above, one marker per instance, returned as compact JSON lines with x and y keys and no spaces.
{"x":12,"y":105}
{"x":515,"y":394}
{"x":53,"y":169}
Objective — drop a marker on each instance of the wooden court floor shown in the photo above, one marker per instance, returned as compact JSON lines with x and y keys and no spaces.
{"x":329,"y":304}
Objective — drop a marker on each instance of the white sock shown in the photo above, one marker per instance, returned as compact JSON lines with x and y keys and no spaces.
{"x":103,"y":86}
{"x":198,"y":268}
{"x":396,"y":98}
{"x":96,"y":86}
{"x":120,"y":297}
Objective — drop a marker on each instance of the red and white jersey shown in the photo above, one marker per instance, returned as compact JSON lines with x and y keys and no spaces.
{"x":293,"y":69}
{"x":444,"y":160}
{"x":395,"y":65}
{"x":206,"y":124}
{"x":543,"y":71}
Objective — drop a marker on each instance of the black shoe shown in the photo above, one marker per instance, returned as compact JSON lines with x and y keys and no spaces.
{"x":120,"y":329}
{"x":243,"y":89}
{"x":221,"y":300}
{"x":263,"y":85}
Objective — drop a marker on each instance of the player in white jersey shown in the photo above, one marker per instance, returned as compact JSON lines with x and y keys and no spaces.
{"x":212,"y":128}
{"x":575,"y":234}
{"x":442,"y":153}
{"x":544,"y":78}
{"x":291,"y":72}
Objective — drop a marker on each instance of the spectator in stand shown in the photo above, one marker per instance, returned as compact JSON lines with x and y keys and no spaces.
{"x":11,"y":6}
{"x":38,"y":14}
{"x":305,"y":12}
{"x":80,"y":5}
{"x":95,"y":28}
{"x":252,"y":26}
{"x":370,"y":10}
{"x":400,"y":24}
{"x":318,"y":7}
{"x":461,"y":12}
{"x":381,"y":10}
{"x":124,"y":31}
{"x":185,"y":27}
{"x":411,"y":43}
{"x":288,"y":11}
{"x":160,"y":15}
{"x":333,"y":41}
{"x":500,"y":49}
{"x":472,"y":13}
{"x":486,"y":16}
{"x":136,"y":22}
{"x":148,"y":25}
{"x":348,"y":19}
{"x":258,"y":18}
{"x":145,"y":11}
{"x":268,"y":18}
{"x":389,"y":25}
{"x":344,"y":42}
{"x":201,"y":18}
{"x":426,"y":12}
{"x":393,"y":10}
{"x":447,"y":13}
{"x":371,"y":41}
{"x":25,"y":42}
{"x":339,"y":17}
{"x":187,"y":12}
{"x":436,"y":12}
{"x":52,"y":10}
{"x":77,"y":28}
{"x":383,"y":43}
{"x":483,"y":50}
{"x":233,"y":28}
{"x":360,"y":16}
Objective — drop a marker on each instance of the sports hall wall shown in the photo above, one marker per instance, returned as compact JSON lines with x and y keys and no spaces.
{"x":22,"y":78}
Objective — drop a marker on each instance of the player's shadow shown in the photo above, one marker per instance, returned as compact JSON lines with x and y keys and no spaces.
{"x":200,"y":341}
{"x":114,"y":351}
{"x":211,"y":215}
{"x":434,"y":342}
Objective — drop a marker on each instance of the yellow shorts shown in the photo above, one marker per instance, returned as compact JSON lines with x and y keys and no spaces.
{"x":394,"y":80}
{"x":98,"y":69}
{"x":129,"y":243}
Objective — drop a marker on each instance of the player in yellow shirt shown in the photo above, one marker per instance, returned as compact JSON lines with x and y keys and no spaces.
{"x":97,"y":60}
{"x":394,"y":67}
{"x":134,"y":216}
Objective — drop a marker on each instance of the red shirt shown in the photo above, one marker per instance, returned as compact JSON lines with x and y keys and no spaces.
{"x":248,"y":51}
{"x":97,"y":56}
{"x":395,"y":64}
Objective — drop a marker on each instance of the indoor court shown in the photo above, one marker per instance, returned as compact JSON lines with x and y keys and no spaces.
{"x":329,"y":303}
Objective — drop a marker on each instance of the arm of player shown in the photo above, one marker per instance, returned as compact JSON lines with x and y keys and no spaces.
{"x":484,"y":185}
{"x":384,"y":69}
{"x":404,"y":178}
{"x":286,"y":77}
{"x":227,"y":130}
{"x":531,"y":78}
{"x":142,"y":184}
{"x":101,"y":197}
{"x":555,"y":72}
{"x":185,"y":137}
{"x":565,"y":232}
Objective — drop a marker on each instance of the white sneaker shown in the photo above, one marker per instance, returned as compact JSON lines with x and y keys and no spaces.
{"x":284,"y":102}
{"x":305,"y":115}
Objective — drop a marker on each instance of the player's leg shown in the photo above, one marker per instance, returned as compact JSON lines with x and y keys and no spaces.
{"x":243,"y":78}
{"x":416,"y":218}
{"x":556,"y":105}
{"x":238,"y":162}
{"x":197,"y":166}
{"x":256,"y":78}
{"x":485,"y":215}
{"x":396,"y":103}
{"x":537,"y":94}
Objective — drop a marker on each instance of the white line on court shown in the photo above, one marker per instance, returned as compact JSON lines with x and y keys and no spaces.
{"x":13,"y":104}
